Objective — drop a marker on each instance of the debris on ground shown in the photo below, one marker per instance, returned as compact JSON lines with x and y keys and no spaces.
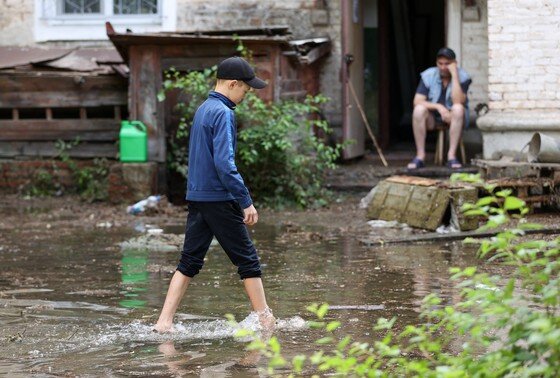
{"x":155,"y":242}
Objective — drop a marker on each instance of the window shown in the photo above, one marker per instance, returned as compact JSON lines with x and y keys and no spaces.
{"x":81,"y":6}
{"x":135,"y":7}
{"x":120,"y":7}
{"x":81,"y":20}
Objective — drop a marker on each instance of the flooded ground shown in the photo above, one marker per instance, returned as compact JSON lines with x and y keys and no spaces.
{"x":75,"y":300}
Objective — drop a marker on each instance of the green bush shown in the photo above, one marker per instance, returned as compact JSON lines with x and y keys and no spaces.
{"x":279,"y":155}
{"x":501,"y":327}
{"x":89,"y":182}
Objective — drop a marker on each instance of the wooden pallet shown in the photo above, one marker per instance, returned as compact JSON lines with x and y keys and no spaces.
{"x":538,"y":184}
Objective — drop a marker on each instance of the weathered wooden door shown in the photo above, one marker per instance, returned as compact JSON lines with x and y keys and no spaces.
{"x":352,"y":75}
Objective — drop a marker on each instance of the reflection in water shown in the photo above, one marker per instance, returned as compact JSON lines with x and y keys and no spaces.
{"x":134,"y":276}
{"x":80,"y":315}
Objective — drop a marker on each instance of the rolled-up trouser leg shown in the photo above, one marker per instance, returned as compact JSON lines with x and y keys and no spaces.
{"x":198,"y":237}
{"x":225,"y":219}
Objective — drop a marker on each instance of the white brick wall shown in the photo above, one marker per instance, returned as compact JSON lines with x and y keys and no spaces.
{"x":16,"y":22}
{"x":474,"y":51}
{"x":524,"y":54}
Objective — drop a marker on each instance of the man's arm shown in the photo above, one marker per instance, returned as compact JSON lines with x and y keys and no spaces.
{"x":457,"y":94}
{"x":420,"y":99}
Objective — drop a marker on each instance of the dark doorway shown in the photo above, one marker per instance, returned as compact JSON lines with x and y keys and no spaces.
{"x":409,"y":34}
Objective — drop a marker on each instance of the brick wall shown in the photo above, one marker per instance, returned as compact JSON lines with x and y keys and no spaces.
{"x":524,"y":58}
{"x":305,"y":18}
{"x":474,"y":53}
{"x":16,"y":22}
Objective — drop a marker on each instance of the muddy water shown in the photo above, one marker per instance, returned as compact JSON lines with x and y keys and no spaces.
{"x":73,"y":302}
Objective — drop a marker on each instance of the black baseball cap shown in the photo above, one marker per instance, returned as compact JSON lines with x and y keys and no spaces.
{"x":236,"y":68}
{"x":446,"y":52}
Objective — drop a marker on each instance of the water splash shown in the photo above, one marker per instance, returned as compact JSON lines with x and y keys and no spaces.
{"x":141,"y":332}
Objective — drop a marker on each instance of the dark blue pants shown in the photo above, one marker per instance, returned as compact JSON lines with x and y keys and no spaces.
{"x":225,"y":221}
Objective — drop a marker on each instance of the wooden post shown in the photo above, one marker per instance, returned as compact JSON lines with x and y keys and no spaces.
{"x":144,"y":84}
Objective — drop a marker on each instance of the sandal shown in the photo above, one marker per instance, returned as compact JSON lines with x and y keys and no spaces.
{"x":415,"y":164}
{"x":454,"y":164}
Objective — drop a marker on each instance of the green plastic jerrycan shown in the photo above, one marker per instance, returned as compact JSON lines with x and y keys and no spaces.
{"x":133,"y":141}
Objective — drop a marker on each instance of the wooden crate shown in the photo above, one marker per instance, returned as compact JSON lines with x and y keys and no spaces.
{"x":421,"y":202}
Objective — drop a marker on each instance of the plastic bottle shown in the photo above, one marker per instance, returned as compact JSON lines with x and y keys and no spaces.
{"x":141,"y":206}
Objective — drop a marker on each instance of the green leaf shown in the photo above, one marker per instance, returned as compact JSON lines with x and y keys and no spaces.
{"x":322,"y":311}
{"x":332,"y":326}
{"x":324,"y":340}
{"x":297,"y":363}
{"x":513,"y":203}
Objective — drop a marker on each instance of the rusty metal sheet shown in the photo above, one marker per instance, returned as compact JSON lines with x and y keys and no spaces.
{"x":12,"y":56}
{"x":100,"y":55}
{"x":73,"y":62}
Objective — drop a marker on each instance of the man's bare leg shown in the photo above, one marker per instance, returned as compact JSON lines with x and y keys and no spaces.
{"x":177,"y":288}
{"x":422,"y":121}
{"x":455,"y":130}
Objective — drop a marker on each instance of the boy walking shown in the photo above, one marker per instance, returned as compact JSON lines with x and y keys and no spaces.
{"x":219,"y":202}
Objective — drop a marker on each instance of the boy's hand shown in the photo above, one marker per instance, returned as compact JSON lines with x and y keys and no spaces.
{"x":251,"y":215}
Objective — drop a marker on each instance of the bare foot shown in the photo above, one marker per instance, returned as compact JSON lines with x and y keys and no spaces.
{"x":164,"y":328}
{"x":251,"y":359}
{"x":267,"y":321}
{"x":168,"y":348}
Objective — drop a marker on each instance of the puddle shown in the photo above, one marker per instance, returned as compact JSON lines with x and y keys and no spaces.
{"x":81,"y":302}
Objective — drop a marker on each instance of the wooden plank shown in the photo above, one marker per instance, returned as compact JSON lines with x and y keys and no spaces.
{"x":60,"y":82}
{"x":413,"y":180}
{"x":62,"y":135}
{"x":508,"y":164}
{"x":62,"y":99}
{"x":192,"y":63}
{"x":91,"y":124}
{"x":434,"y":237}
{"x":48,"y":149}
{"x":66,"y":129}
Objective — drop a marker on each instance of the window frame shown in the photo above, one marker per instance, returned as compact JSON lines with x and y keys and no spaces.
{"x":51,"y":24}
{"x":107,"y":11}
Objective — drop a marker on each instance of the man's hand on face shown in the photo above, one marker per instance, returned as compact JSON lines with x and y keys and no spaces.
{"x":251,"y":215}
{"x":453,"y":70}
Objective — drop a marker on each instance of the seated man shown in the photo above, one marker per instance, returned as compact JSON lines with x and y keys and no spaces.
{"x":441,"y":96}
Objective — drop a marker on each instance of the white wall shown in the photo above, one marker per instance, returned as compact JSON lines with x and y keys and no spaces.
{"x":475,"y":52}
{"x":524,"y":49}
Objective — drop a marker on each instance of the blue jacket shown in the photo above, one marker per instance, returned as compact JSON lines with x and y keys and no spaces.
{"x":212,"y":172}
